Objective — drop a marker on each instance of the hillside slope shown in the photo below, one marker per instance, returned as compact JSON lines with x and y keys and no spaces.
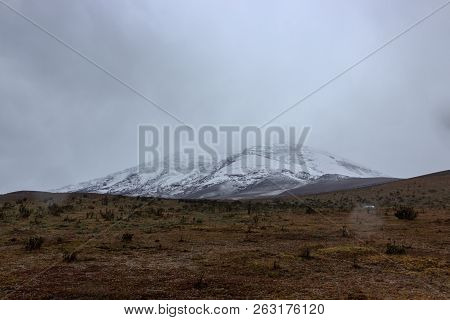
{"x":257,"y":171}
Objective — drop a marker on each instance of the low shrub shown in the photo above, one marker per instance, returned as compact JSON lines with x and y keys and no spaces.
{"x":276,"y":265}
{"x":345,"y":232}
{"x":55,"y":210}
{"x":393,"y":248}
{"x":306,"y":253}
{"x":69,"y":256}
{"x":200,"y":282}
{"x":107,"y":215}
{"x":24,"y":212}
{"x":34,"y":243}
{"x":406,"y":213}
{"x":127,"y":237}
{"x":310,"y":210}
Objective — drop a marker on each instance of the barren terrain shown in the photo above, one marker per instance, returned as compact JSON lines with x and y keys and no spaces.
{"x":328,"y":246}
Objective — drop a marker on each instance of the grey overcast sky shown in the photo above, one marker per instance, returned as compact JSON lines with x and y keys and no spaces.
{"x":220,"y":62}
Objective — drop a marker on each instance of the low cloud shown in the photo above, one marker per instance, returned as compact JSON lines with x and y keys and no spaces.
{"x":217,"y":62}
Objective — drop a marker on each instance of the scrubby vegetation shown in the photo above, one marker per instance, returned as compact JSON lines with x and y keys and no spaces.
{"x":34,"y":243}
{"x":69,"y":256}
{"x":55,"y":210}
{"x":24,"y":212}
{"x":393,"y":248}
{"x":406,"y":213}
{"x":306,"y":253}
{"x":313,"y":247}
{"x":127,"y":237}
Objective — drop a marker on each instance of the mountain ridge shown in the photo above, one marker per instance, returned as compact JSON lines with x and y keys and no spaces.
{"x":255,"y":172}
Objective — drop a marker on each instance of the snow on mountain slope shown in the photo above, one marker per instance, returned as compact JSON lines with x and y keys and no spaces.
{"x":256,"y":171}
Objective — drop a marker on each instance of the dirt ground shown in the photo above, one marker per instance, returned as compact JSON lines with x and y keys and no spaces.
{"x":79,"y":246}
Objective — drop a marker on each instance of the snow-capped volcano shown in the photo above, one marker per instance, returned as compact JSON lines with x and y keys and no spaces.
{"x":257,"y":171}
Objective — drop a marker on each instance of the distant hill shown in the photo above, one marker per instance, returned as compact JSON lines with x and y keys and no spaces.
{"x":432,"y":190}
